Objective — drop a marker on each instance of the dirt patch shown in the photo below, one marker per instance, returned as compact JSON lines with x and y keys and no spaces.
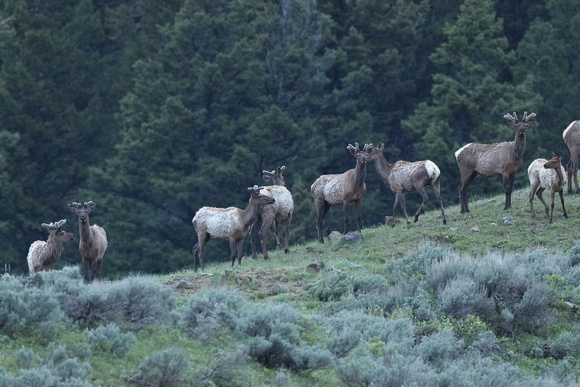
{"x":260,"y":283}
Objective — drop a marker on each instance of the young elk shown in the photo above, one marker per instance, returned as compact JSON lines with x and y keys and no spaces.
{"x":545,"y":174}
{"x":502,"y":158}
{"x":43,"y":255}
{"x":279,"y":211}
{"x":405,"y":176}
{"x":93,"y":240}
{"x":572,"y":139}
{"x":346,"y":188}
{"x":227,"y":223}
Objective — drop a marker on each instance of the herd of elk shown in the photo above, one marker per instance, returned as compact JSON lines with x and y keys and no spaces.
{"x":274,"y":204}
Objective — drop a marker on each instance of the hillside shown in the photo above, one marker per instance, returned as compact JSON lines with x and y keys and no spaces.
{"x":491,"y":303}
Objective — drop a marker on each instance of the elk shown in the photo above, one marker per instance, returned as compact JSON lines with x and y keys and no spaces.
{"x":229,"y":223}
{"x":93,"y":240}
{"x":279,"y":211}
{"x":502,"y":158}
{"x":43,"y":255}
{"x":547,"y":174}
{"x":572,"y":139}
{"x":405,"y":176}
{"x":344,"y":188}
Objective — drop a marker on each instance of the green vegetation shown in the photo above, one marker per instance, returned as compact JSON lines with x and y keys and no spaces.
{"x":411,"y":304}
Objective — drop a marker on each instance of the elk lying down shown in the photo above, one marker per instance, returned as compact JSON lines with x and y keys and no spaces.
{"x":547,"y":174}
{"x":229,"y":223}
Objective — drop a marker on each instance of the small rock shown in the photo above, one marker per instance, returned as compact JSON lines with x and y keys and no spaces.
{"x":507,"y":220}
{"x":475,"y":229}
{"x":352,"y":237}
{"x":453,"y":229}
{"x":243,"y":279}
{"x":334,"y":235}
{"x":184,"y":284}
{"x":390,"y":221}
{"x":274,"y":289}
{"x":316,"y":266}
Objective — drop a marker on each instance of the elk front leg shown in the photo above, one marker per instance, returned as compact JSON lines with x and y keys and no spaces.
{"x":508,"y":181}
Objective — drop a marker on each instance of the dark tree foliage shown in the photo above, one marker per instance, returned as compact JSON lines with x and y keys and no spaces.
{"x":154,"y":109}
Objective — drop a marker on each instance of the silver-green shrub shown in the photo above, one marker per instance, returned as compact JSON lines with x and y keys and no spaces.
{"x":164,"y":368}
{"x":109,"y":338}
{"x":54,"y":369}
{"x":273,"y":333}
{"x":461,"y":297}
{"x":416,"y":263}
{"x":27,"y":311}
{"x":205,"y":312}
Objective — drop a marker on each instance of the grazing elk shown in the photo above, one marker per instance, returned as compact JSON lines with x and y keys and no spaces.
{"x":43,"y":255}
{"x":93,"y":240}
{"x":572,"y":139}
{"x":405,"y":176}
{"x":279,"y":211}
{"x":229,"y":223}
{"x":341,"y":189}
{"x":501,"y":158}
{"x":546,"y":174}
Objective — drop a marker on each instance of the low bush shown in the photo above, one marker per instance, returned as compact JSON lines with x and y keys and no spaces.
{"x":108,"y":338}
{"x":164,"y":368}
{"x":205,"y":312}
{"x":27,"y":311}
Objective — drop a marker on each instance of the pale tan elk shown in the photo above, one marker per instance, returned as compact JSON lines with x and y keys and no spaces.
{"x":229,"y":223}
{"x":405,"y":176}
{"x":92,"y":240}
{"x":571,"y":137}
{"x":341,"y":189}
{"x":43,"y":255}
{"x":497,"y":159}
{"x":547,"y":174}
{"x":273,"y":214}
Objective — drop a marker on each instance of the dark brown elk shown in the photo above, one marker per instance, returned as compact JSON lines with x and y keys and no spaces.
{"x":547,"y":174}
{"x":405,"y":176}
{"x":572,"y":139}
{"x":497,"y":159}
{"x":93,"y":240}
{"x":43,"y":255}
{"x":341,"y":189}
{"x":229,"y":223}
{"x":273,"y":214}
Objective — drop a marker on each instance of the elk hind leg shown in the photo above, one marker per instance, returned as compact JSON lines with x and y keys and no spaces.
{"x":266,"y":224}
{"x":539,"y":195}
{"x":561,"y":192}
{"x":437,"y":191}
{"x":425,"y":198}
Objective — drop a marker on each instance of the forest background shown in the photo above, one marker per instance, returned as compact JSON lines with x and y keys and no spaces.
{"x":154,"y":109}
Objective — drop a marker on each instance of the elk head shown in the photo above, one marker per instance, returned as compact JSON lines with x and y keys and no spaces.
{"x":520,"y":126}
{"x":82,"y":210}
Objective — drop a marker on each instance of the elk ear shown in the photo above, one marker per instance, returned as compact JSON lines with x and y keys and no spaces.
{"x":280,"y":169}
{"x":381,"y":146}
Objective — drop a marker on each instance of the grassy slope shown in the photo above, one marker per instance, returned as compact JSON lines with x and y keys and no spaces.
{"x":380,"y":244}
